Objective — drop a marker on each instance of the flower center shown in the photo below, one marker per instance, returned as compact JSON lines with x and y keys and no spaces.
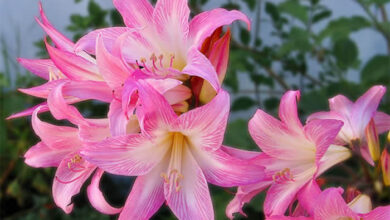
{"x":74,"y":165}
{"x":55,"y":75}
{"x":283,"y":176}
{"x":158,"y":64}
{"x":174,"y":176}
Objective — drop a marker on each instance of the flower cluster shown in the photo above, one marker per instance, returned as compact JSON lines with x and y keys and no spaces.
{"x":161,"y":77}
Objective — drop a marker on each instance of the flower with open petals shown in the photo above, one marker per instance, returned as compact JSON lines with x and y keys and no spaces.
{"x":174,"y":157}
{"x":60,"y":147}
{"x":292,"y":154}
{"x":357,"y":131}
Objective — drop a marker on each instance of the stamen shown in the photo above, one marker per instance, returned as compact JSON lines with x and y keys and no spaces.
{"x":283,"y":176}
{"x":143,"y":61}
{"x":153,"y":58}
{"x":161,"y":57}
{"x":172,"y":58}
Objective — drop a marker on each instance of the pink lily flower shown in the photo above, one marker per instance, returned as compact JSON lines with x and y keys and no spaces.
{"x":292,"y":154}
{"x":60,"y":147}
{"x":330,"y":205}
{"x":161,"y":39}
{"x":174,"y":157}
{"x":356,"y":131}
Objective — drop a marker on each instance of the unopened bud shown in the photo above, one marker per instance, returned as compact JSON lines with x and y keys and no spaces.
{"x":385,"y":160}
{"x":373,"y":140}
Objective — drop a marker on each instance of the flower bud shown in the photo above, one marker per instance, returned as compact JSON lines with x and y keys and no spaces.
{"x":372,"y":140}
{"x":385,"y":160}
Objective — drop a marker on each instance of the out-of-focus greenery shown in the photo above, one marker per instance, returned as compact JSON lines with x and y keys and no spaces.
{"x":303,"y":36}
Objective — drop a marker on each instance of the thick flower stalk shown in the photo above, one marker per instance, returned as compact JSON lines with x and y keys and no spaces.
{"x":292,"y":154}
{"x":174,"y":157}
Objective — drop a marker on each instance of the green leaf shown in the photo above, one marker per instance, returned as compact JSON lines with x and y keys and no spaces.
{"x":237,"y":135}
{"x":342,"y":27}
{"x":378,"y":2}
{"x":243,"y":103}
{"x":295,"y":9}
{"x":272,"y":10}
{"x":251,"y":4}
{"x":231,"y":6}
{"x":377,"y":70}
{"x":298,"y":40}
{"x":271,"y":103}
{"x":321,"y":16}
{"x":346,"y":52}
{"x":245,"y":36}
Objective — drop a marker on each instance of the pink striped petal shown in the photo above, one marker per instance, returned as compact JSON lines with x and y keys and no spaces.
{"x":382,"y":122}
{"x":308,"y":195}
{"x":99,"y":131}
{"x":118,"y":119}
{"x":96,"y":197}
{"x":205,"y":126}
{"x":68,"y":182}
{"x":42,"y":108}
{"x":365,"y":107}
{"x":73,"y":66}
{"x":146,"y":196}
{"x":108,"y":35}
{"x":288,"y":110}
{"x":40,"y":155}
{"x":342,"y":105}
{"x":192,"y":200}
{"x":135,"y":13}
{"x":221,"y":169}
{"x":240,"y":154}
{"x":199,"y":65}
{"x":55,"y":137}
{"x":205,"y":23}
{"x":39,"y":67}
{"x":112,"y":69}
{"x":334,"y":155}
{"x":42,"y":91}
{"x":85,"y":90}
{"x":130,"y":155}
{"x":178,"y":94}
{"x":59,"y":39}
{"x":380,"y":213}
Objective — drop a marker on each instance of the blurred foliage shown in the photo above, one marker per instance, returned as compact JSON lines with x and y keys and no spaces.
{"x":304,"y":35}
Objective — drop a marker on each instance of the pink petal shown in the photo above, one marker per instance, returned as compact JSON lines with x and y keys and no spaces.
{"x":178,"y":94}
{"x":276,"y":140}
{"x":42,"y":91}
{"x":40,"y":155}
{"x":240,"y":154}
{"x":39,"y":67}
{"x":73,"y":66}
{"x":365,"y":107}
{"x":130,"y":155}
{"x":170,"y":19}
{"x":60,"y":109}
{"x":108,"y":35}
{"x":199,"y":65}
{"x":380,"y":213}
{"x":382,"y":122}
{"x":288,"y":110}
{"x":55,"y":137}
{"x":135,"y":13}
{"x":88,"y":90}
{"x":334,"y":155}
{"x":112,"y":69}
{"x":205,"y":126}
{"x":133,"y":46}
{"x":118,"y":119}
{"x":42,"y":108}
{"x":192,"y":200}
{"x":308,"y":195}
{"x":365,"y":153}
{"x":96,"y":197}
{"x":205,"y":23}
{"x":97,"y":132}
{"x":146,"y":196}
{"x":68,"y":183}
{"x":59,"y":39}
{"x":278,"y":217}
{"x":331,"y":205}
{"x":323,"y":134}
{"x":342,"y":105}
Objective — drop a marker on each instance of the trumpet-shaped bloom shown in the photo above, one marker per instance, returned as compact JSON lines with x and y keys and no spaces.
{"x":174,"y":157}
{"x":161,"y":39}
{"x":292,"y":155}
{"x":60,"y":147}
{"x":356,"y":117}
{"x":330,"y":205}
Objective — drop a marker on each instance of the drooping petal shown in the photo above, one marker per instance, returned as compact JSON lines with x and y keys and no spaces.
{"x":130,"y":155}
{"x":276,"y":140}
{"x":97,"y":132}
{"x":42,"y":108}
{"x":382,"y":122}
{"x":364,"y":109}
{"x":40,"y":155}
{"x":111,"y":68}
{"x":42,"y":91}
{"x":135,"y":13}
{"x":204,"y":24}
{"x":192,"y":200}
{"x":308,"y":195}
{"x":109,"y":36}
{"x":146,"y":196}
{"x":288,"y":110}
{"x":96,"y":197}
{"x":342,"y":105}
{"x":323,"y":134}
{"x":118,"y":119}
{"x":380,"y":213}
{"x":221,"y":169}
{"x":205,"y":126}
{"x":68,"y":182}
{"x":73,"y":66}
{"x":88,"y":89}
{"x":199,"y":65}
{"x":330,"y":205}
{"x":39,"y":67}
{"x":55,"y":137}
